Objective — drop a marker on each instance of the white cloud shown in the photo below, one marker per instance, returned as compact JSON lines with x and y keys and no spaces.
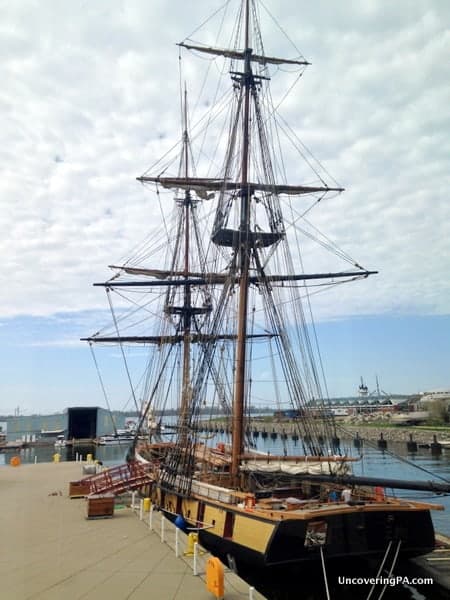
{"x":89,"y":99}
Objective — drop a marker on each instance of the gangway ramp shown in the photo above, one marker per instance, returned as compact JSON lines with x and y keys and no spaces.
{"x":118,"y":480}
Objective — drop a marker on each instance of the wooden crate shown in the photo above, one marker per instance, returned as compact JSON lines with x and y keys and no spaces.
{"x":100,"y":506}
{"x":78,"y":489}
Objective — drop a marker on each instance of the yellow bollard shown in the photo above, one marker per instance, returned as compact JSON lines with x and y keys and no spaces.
{"x":192,"y":539}
{"x":215,"y":577}
{"x":89,"y":458}
{"x":56,"y":457}
{"x":146,"y":504}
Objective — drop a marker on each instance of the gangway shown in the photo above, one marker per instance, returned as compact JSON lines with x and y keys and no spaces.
{"x":119,"y":479}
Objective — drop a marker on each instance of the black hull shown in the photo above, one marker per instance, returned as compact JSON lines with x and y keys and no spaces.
{"x":360,"y":539}
{"x":363,"y":535}
{"x":357,"y":545}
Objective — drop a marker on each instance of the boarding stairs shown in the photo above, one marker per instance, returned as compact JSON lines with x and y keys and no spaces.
{"x":120,"y":479}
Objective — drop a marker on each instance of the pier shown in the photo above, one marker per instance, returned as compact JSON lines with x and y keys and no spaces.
{"x":435,"y":565}
{"x":52,"y":551}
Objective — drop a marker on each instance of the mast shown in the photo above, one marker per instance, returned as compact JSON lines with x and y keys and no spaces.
{"x":244,"y":260}
{"x":187,"y":313}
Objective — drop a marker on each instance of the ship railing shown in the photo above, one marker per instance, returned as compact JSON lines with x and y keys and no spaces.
{"x":191,"y":528}
{"x":212,"y":492}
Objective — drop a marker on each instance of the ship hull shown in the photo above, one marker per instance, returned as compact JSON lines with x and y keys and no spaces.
{"x":360,"y":538}
{"x":287,"y":547}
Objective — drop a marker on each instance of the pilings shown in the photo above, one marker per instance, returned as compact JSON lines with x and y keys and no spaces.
{"x":283,"y":431}
{"x":357,"y":441}
{"x":411,"y":445}
{"x":382,"y":443}
{"x":435,"y":446}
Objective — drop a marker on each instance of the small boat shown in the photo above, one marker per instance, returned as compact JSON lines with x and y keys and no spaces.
{"x":51,"y":433}
{"x":115,"y":440}
{"x":60,"y":442}
{"x":410,"y":418}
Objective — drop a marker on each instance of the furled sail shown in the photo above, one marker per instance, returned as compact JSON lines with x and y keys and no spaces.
{"x":242,"y":55}
{"x":202,"y":186}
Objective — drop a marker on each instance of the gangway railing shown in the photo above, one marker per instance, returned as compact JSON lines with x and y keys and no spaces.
{"x":119,"y":479}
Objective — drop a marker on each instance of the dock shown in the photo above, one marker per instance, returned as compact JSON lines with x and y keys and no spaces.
{"x":435,"y":566}
{"x":52,"y":551}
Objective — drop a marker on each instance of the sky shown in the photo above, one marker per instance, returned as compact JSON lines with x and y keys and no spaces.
{"x":89,"y":99}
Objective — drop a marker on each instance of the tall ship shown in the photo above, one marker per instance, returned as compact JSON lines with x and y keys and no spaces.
{"x":219,"y":299}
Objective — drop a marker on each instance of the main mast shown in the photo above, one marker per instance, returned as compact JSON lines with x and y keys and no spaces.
{"x":246,"y":241}
{"x":244,"y":261}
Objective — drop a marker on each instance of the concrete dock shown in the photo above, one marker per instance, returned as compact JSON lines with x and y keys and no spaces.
{"x":435,"y":565}
{"x":50,"y":551}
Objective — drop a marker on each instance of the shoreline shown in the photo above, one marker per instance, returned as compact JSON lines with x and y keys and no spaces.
{"x":348,"y":431}
{"x":395,"y":434}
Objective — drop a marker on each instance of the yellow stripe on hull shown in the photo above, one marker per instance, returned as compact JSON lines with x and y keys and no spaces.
{"x":189,"y":509}
{"x":252,"y":533}
{"x":216,"y":518}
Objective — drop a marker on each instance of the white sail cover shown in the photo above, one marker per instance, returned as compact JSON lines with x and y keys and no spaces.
{"x":298,"y":468}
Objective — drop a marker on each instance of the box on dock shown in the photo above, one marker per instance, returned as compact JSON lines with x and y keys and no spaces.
{"x":78,"y":489}
{"x":100,"y":506}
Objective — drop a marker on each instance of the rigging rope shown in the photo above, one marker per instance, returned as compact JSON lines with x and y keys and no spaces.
{"x":222,"y":7}
{"x":108,"y":295}
{"x":325,"y":579}
{"x":394,"y":561}
{"x":103,"y":387}
{"x":380,"y":569}
{"x":281,"y":29}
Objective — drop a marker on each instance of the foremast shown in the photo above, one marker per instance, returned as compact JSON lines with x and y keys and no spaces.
{"x":180,"y":307}
{"x":187,"y":304}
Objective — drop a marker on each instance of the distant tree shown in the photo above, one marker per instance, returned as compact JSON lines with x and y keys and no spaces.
{"x":439,"y":410}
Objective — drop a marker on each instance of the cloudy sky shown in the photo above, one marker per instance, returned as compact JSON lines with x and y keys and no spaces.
{"x":89,"y":98}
